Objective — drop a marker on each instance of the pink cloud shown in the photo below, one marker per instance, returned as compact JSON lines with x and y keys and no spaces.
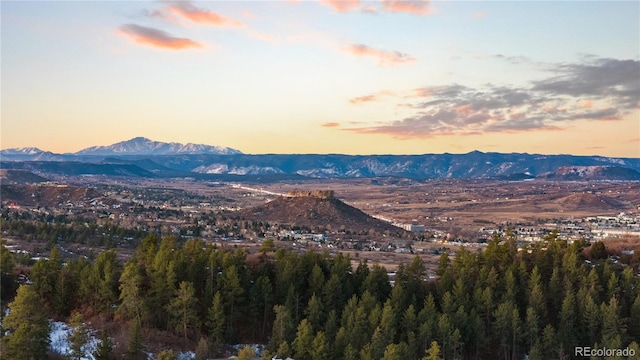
{"x":342,"y":5}
{"x":421,"y":92}
{"x":369,"y":9}
{"x":372,"y":97}
{"x":362,"y":99}
{"x":384,"y":57}
{"x":456,"y":109}
{"x":480,"y":15}
{"x":330,"y":124}
{"x":187,"y":10}
{"x":157,"y":38}
{"x":419,"y":7}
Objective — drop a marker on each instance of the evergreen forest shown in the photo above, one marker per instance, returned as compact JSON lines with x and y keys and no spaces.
{"x":539,"y":301}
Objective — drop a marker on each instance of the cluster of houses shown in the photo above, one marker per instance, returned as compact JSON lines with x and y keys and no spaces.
{"x":589,"y":228}
{"x":294,"y":235}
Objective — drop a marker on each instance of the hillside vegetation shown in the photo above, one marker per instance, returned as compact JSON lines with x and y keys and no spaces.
{"x":497,"y":304}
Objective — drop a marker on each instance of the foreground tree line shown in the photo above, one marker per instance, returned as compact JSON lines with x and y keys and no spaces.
{"x":500,"y":303}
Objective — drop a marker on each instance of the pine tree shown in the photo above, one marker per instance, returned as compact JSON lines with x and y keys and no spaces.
{"x":366,"y":353}
{"x":233,"y":292}
{"x":7,"y":277}
{"x":99,"y":282}
{"x":549,"y":342}
{"x":331,"y":326}
{"x":591,"y":318}
{"x":533,"y":326}
{"x":445,"y":330}
{"x":567,"y":324}
{"x":388,"y":323}
{"x":378,"y":343}
{"x":304,"y":339}
{"x":130,"y":291}
{"x":44,"y":274}
{"x":246,"y":353}
{"x":182,"y":308}
{"x":315,"y":312}
{"x":317,"y":279}
{"x":319,"y":347}
{"x":535,"y":352}
{"x":217,"y":321}
{"x":62,"y":294}
{"x":268,"y":245}
{"x":536,"y":295}
{"x":377,"y":283}
{"x":433,"y":353}
{"x":202,"y":350}
{"x":611,"y":324}
{"x":27,"y":326}
{"x":284,"y":350}
{"x":598,"y":251}
{"x":506,"y":326}
{"x":427,"y":318}
{"x":265,"y":294}
{"x":135,"y":342}
{"x":350,"y":353}
{"x":79,"y":337}
{"x":104,"y":349}
{"x":396,"y":352}
{"x":108,"y":270}
{"x":283,"y":328}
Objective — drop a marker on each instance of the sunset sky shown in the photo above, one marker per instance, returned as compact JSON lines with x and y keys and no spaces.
{"x":353,"y":77}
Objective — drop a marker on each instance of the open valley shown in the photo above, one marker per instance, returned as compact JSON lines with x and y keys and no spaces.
{"x":440,"y":215}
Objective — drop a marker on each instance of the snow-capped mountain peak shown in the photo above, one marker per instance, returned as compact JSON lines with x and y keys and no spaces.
{"x":21,"y":151}
{"x":144,"y":146}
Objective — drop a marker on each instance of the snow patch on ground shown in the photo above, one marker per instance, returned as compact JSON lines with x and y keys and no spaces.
{"x":189,"y":355}
{"x":60,"y":332}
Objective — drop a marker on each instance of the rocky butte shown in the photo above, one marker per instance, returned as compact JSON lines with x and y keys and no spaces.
{"x":319,"y":194}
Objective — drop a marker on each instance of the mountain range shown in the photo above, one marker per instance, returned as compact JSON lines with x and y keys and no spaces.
{"x":142,"y":157}
{"x":135,"y":146}
{"x":144,"y":146}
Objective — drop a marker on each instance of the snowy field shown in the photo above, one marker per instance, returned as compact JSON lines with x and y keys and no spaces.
{"x":60,"y":332}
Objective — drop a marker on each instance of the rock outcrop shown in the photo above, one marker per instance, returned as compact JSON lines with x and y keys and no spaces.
{"x":319,"y":194}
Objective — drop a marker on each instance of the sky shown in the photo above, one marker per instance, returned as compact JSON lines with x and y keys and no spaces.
{"x":327,"y":76}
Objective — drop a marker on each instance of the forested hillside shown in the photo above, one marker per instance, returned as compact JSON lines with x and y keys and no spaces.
{"x":497,"y":304}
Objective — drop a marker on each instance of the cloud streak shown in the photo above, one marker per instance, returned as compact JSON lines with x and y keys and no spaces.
{"x":385,"y":58}
{"x":616,"y":79}
{"x":342,"y":5}
{"x":372,"y":97}
{"x":600,"y":90}
{"x":330,"y":124}
{"x":188,"y":11}
{"x":419,"y":7}
{"x":156,"y":38}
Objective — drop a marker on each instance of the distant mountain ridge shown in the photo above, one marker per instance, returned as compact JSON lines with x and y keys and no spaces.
{"x":22,"y":151}
{"x":157,"y":159}
{"x":144,"y":146}
{"x":19,"y":177}
{"x":593,"y":173}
